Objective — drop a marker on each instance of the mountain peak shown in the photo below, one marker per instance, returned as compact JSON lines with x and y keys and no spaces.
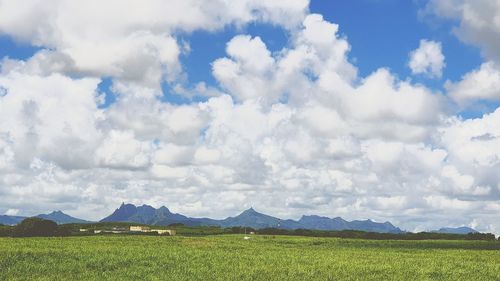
{"x":61,"y":218}
{"x":250,"y":211}
{"x":126,"y":205}
{"x":249,"y":218}
{"x":125,"y":211}
{"x":164,"y":209}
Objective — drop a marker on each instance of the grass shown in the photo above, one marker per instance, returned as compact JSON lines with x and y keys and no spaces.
{"x":229,"y":257}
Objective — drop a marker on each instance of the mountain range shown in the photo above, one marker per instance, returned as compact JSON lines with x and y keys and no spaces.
{"x":146,"y":214}
{"x":56,"y":216}
{"x":250,"y":218}
{"x":456,"y":230}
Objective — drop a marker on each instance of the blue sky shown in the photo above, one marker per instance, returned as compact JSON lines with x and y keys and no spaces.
{"x":380,"y":33}
{"x":15,"y":49}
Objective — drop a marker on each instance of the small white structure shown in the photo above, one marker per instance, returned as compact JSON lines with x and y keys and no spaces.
{"x":83,"y":230}
{"x":140,"y":228}
{"x":170,"y":232}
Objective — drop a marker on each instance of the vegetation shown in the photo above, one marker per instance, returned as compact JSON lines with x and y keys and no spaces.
{"x":28,"y":228}
{"x":379,"y":236}
{"x":5,"y":230}
{"x":37,"y":227}
{"x":216,"y":230}
{"x":230,"y":257}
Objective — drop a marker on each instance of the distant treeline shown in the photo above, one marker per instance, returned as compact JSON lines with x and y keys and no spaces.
{"x":356,"y":234}
{"x":31,"y":227}
{"x":379,"y":236}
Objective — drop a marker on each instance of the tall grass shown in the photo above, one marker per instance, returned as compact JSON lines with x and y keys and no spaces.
{"x":230,"y":257}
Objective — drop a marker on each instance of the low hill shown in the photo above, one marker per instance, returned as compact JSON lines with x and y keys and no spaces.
{"x":456,"y":230}
{"x":61,"y":218}
{"x":10,"y":220}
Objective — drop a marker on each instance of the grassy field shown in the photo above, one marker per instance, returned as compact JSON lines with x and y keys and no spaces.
{"x":230,"y":257}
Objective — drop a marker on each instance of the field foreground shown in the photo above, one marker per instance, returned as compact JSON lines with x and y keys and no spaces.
{"x":230,"y":257}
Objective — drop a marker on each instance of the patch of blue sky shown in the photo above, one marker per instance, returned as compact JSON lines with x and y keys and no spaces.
{"x":382,"y":33}
{"x":105,"y":88}
{"x":16,"y":50}
{"x":478,"y":109}
{"x":206,"y":47}
{"x":172,"y":97}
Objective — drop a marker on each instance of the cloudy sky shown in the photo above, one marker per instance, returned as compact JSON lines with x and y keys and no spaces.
{"x":380,"y":109}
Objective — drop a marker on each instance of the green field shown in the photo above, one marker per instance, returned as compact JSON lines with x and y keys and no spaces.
{"x":230,"y":257}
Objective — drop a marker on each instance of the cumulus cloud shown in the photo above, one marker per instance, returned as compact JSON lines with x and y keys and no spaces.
{"x":478,"y":22}
{"x":249,"y":71}
{"x":132,"y":40}
{"x":428,"y":59}
{"x":291,"y":132}
{"x":479,"y":84}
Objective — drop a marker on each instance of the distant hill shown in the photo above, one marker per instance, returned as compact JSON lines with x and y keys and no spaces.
{"x":338,"y":223}
{"x":61,"y":218}
{"x":254,"y":219}
{"x":10,"y":220}
{"x":146,"y":214}
{"x":456,"y":230}
{"x":56,"y":216}
{"x":371,"y":226}
{"x":323,"y":223}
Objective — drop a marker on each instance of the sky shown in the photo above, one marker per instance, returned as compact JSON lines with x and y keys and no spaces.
{"x":371,"y":109}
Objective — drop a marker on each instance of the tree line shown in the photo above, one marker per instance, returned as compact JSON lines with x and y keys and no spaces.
{"x":38,"y":227}
{"x":379,"y":236}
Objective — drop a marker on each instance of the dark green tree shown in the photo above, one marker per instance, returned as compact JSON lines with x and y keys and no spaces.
{"x":5,"y":230}
{"x":31,"y":227}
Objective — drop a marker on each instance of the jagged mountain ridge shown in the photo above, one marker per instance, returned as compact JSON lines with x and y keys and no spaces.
{"x":146,"y":214}
{"x":250,"y":218}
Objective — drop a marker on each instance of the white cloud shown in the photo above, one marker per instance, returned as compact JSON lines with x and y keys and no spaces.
{"x":428,"y":59}
{"x":130,"y":40}
{"x":55,"y":125}
{"x":205,"y":155}
{"x":289,"y":132}
{"x":248,"y":73}
{"x":478,"y":22}
{"x":12,"y":212}
{"x":479,"y":84}
{"x":120,"y":149}
{"x":478,"y":25}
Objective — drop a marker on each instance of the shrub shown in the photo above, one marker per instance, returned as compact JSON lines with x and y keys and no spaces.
{"x":31,"y":227}
{"x":5,"y":230}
